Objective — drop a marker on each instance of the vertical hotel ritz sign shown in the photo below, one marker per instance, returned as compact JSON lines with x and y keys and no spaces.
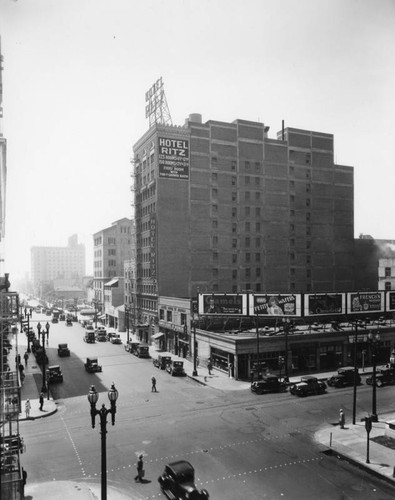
{"x":173,"y":158}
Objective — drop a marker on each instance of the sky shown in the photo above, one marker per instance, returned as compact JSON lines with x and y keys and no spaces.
{"x":75,"y":73}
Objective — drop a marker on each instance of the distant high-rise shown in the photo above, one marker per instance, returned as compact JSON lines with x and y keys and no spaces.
{"x":3,"y":170}
{"x":224,"y":208}
{"x":58,"y":263}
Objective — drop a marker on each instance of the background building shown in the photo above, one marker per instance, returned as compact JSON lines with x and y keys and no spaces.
{"x":57,"y":263}
{"x":3,"y":171}
{"x":111,"y":247}
{"x":221,"y":207}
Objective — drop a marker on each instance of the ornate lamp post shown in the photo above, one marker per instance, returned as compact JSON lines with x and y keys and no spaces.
{"x":42,"y":333}
{"x":93,"y":397}
{"x":374,"y":341}
{"x":28,"y":314}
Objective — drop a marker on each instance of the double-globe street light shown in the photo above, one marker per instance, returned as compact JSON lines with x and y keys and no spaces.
{"x":93,"y":397}
{"x":28,"y":314}
{"x":374,"y":341}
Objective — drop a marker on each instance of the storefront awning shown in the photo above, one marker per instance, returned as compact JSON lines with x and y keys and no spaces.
{"x":157,"y":335}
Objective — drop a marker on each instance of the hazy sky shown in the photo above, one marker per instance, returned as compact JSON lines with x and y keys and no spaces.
{"x":76,"y":72}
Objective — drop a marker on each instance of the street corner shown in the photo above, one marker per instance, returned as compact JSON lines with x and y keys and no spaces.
{"x":50,"y":407}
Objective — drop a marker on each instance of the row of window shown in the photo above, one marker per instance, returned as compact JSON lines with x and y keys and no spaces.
{"x":249,"y":166}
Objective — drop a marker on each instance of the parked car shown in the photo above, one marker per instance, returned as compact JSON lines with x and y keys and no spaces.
{"x":343,"y":377}
{"x":269,"y":383}
{"x":63,"y":350}
{"x":384,"y":376}
{"x":69,"y":322}
{"x":54,"y":374}
{"x":161,"y":361}
{"x":308,"y":386}
{"x":92,"y":366}
{"x":177,"y":482}
{"x":116,"y":338}
{"x":176,"y":368}
{"x":101,"y":336}
{"x":89,"y":337}
{"x":142,"y":351}
{"x":131,"y":346}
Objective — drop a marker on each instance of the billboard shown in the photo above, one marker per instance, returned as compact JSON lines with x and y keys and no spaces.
{"x":275,"y":304}
{"x":322,"y":304}
{"x":365,"y":302}
{"x":390,"y":301}
{"x":173,"y":158}
{"x":225,"y":304}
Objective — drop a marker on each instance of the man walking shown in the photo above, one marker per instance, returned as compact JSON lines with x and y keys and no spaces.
{"x":153,"y":388}
{"x":26,"y":357}
{"x":41,"y":401}
{"x":27,"y":408}
{"x":140,"y":470}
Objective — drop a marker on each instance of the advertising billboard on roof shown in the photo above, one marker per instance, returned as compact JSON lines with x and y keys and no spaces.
{"x":365,"y":302}
{"x":173,"y":158}
{"x":283,"y":304}
{"x":324,"y":304}
{"x":224,"y":304}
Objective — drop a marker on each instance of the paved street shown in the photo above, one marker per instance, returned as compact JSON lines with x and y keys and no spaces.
{"x":241,"y":445}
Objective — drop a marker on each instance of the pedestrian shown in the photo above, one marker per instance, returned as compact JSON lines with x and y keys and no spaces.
{"x":140,"y":469}
{"x":24,"y":479}
{"x":21,"y":368}
{"x":26,"y":357}
{"x":18,"y":359}
{"x":27,"y":408}
{"x":41,"y":401}
{"x":342,"y":418}
{"x":153,"y":388}
{"x":209,"y":367}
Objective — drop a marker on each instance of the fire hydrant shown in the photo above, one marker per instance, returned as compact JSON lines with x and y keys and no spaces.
{"x":342,"y":418}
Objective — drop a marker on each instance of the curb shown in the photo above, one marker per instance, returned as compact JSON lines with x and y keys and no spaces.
{"x":360,"y":465}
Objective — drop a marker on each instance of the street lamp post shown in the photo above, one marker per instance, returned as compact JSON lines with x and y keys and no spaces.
{"x":374,"y":342}
{"x":27,"y":315}
{"x":127,"y":322}
{"x":42,"y":333}
{"x":287,"y":327}
{"x":93,"y":397}
{"x":195,"y":312}
{"x":354,"y":406}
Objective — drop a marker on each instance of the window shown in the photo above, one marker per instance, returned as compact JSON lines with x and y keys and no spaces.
{"x":248,"y":273}
{"x":234,"y":243}
{"x":257,"y":257}
{"x":257,"y":227}
{"x":387,"y":286}
{"x":215,"y":240}
{"x":111,"y":251}
{"x":387,"y":272}
{"x":257,"y":211}
{"x":248,"y":257}
{"x":257,"y":181}
{"x":292,"y":271}
{"x":308,"y":158}
{"x":214,"y":209}
{"x":215,"y":273}
{"x":234,"y":165}
{"x":257,"y":166}
{"x":257,"y":196}
{"x":247,"y":211}
{"x":308,"y":259}
{"x":214,"y":192}
{"x":247,"y":166}
{"x":308,"y":202}
{"x":234,"y":212}
{"x":246,"y":180}
{"x":292,"y":228}
{"x":214,"y":177}
{"x":258,"y":272}
{"x":215,"y":256}
{"x":234,"y":274}
{"x":247,"y":196}
{"x":234,"y":258}
{"x":292,"y":198}
{"x":258,"y":241}
{"x":308,"y":188}
{"x":258,"y":287}
{"x":234,"y":180}
{"x":247,"y":227}
{"x":292,"y":213}
{"x":234,"y":227}
{"x":161,"y":314}
{"x":169,"y":315}
{"x":247,"y":242}
{"x":292,"y":185}
{"x":183,"y":319}
{"x":234,"y":196}
{"x":214,"y":224}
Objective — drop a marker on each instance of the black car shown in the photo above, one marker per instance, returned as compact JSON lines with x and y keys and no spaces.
{"x":178,"y":482}
{"x":384,"y":376}
{"x":161,"y":361}
{"x":308,"y":386}
{"x":54,"y":374}
{"x":343,"y":377}
{"x":269,"y":383}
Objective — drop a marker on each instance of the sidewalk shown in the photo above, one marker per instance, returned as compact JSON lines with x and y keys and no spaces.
{"x":350,"y":444}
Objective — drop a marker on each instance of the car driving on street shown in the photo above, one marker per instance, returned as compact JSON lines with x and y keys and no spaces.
{"x":344,"y":377}
{"x":269,"y":383}
{"x":308,"y":386}
{"x":178,"y":482}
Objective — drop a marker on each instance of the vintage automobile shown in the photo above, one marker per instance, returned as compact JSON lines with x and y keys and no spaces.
{"x":177,"y":482}
{"x":161,"y":361}
{"x":69,"y":322}
{"x":101,"y":336}
{"x":116,"y":339}
{"x":92,"y":366}
{"x":63,"y":350}
{"x":343,"y":377}
{"x":54,"y":374}
{"x":308,"y":386}
{"x":384,"y":376}
{"x":269,"y":383}
{"x":176,"y":368}
{"x":131,"y":346}
{"x":89,"y":337}
{"x":142,"y":351}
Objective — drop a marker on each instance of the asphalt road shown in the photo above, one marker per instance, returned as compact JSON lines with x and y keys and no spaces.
{"x":242,"y":446}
